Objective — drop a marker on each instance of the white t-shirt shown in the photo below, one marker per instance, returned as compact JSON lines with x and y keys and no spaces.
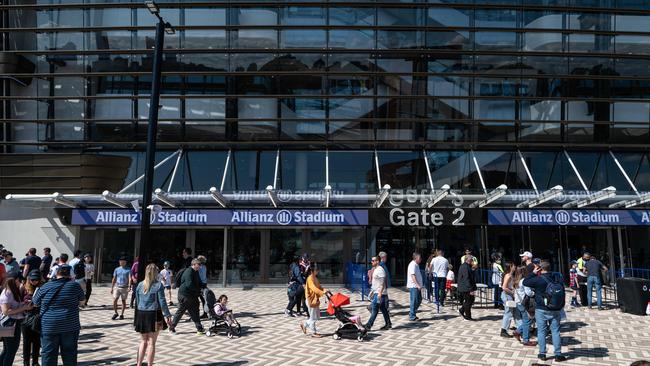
{"x":72,"y":263}
{"x":439,"y":266}
{"x":379,"y":280}
{"x":450,"y":276}
{"x":413,"y":269}
{"x":166,"y":277}
{"x":52,"y":274}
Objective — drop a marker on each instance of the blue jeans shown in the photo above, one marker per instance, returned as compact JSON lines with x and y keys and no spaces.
{"x":591,"y":281}
{"x":415,"y":299}
{"x":376,"y":307}
{"x":522,"y":322}
{"x":10,"y":346}
{"x":52,"y":342}
{"x":507,"y":314}
{"x":541,"y":317}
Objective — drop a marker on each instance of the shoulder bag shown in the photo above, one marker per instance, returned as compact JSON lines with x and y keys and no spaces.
{"x":33,"y":321}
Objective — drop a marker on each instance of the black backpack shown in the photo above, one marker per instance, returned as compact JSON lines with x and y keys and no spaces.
{"x":554,"y":296}
{"x":79,"y":270}
{"x":177,"y":279}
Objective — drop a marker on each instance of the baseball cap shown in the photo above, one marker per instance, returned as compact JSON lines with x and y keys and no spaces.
{"x":574,"y":262}
{"x":122,"y":258}
{"x":526,"y":254}
{"x":34,"y":274}
{"x":536,"y":261}
{"x":63,"y":271}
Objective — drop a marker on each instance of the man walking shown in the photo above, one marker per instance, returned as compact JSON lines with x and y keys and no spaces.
{"x":543,"y":314}
{"x":383,"y":260}
{"x":78,"y":269}
{"x":188,"y":297}
{"x":414,"y":284}
{"x":594,"y":267}
{"x":121,"y":278}
{"x":439,"y":268}
{"x":59,"y":302}
{"x":379,"y":295}
{"x":466,"y":287}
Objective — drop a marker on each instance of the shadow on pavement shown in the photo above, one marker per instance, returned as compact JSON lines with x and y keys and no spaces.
{"x":103,"y":326}
{"x":597,"y":352}
{"x":105,"y":361}
{"x":235,"y":363}
{"x":573,"y":326}
{"x":92,"y":350}
{"x":490,"y":317}
{"x":412,"y":325}
{"x":444,"y":317}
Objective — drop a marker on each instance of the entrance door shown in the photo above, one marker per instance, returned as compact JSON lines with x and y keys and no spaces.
{"x":209,"y":243}
{"x":244,"y":256}
{"x":168,"y":245}
{"x":399,"y":244}
{"x":117,"y":243}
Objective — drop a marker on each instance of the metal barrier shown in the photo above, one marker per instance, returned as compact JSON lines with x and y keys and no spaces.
{"x":356,"y":278}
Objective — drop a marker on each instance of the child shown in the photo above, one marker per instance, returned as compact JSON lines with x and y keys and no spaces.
{"x":573,"y":283}
{"x":221,"y":309}
{"x":450,"y":280}
{"x":166,"y":279}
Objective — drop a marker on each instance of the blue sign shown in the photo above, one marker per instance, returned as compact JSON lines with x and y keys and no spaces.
{"x":225,"y":217}
{"x":569,"y":217}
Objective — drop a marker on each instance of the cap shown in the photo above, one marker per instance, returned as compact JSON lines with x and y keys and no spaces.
{"x":526,"y":254}
{"x":574,"y":262}
{"x":34,"y":274}
{"x":166,"y":264}
{"x":122,"y":258}
{"x":63,"y":271}
{"x":88,"y":255}
{"x":536,"y":261}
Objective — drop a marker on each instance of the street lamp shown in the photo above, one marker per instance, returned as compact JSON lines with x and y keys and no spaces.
{"x":162,"y":27}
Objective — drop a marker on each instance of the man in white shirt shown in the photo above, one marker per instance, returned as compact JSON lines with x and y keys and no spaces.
{"x":439,"y":268}
{"x":379,"y":296}
{"x":414,"y":284}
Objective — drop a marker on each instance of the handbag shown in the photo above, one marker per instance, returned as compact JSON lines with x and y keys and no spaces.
{"x":7,"y":327}
{"x":33,"y":321}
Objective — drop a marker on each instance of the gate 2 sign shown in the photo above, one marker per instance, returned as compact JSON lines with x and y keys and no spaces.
{"x":424,"y":217}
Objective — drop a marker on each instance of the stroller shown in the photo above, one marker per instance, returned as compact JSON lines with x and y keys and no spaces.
{"x":219,"y":323}
{"x":349,"y":326}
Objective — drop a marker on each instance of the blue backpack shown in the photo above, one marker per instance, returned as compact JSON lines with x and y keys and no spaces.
{"x":554,"y":296}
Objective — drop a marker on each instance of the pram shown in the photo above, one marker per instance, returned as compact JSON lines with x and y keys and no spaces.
{"x":349,"y":326}
{"x":219,"y":323}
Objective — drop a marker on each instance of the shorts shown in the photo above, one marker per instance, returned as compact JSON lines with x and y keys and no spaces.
{"x":167,"y":287}
{"x":121,"y":292}
{"x":448,"y":285}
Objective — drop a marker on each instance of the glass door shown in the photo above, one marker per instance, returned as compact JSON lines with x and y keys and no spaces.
{"x":117,"y":243}
{"x":167,"y":245}
{"x":244,"y":256}
{"x":209,"y":243}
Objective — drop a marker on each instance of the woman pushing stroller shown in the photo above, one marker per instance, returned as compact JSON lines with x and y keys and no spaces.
{"x":313,"y":291}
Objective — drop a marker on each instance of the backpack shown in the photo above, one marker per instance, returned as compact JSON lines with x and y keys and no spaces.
{"x":177,"y":279}
{"x":554,"y":296}
{"x":79,"y":270}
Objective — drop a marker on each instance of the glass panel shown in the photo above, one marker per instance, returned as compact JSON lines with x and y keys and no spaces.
{"x":110,"y":17}
{"x":497,"y":131}
{"x":581,"y":42}
{"x":352,"y":16}
{"x":443,"y":109}
{"x":591,"y":21}
{"x":407,"y":16}
{"x":542,"y":42}
{"x":302,"y":38}
{"x":244,"y":257}
{"x":250,"y":171}
{"x":327,"y":247}
{"x":545,"y":65}
{"x":259,"y":130}
{"x":403,"y":170}
{"x":204,"y":62}
{"x":456,"y":40}
{"x":351,"y":108}
{"x":111,"y":108}
{"x":299,"y":15}
{"x":116,"y":244}
{"x":209,"y":243}
{"x":351,"y":39}
{"x":629,"y":133}
{"x":502,"y":168}
{"x":448,"y":132}
{"x":448,"y":86}
{"x":607,"y":174}
{"x":494,"y":109}
{"x":454,"y":168}
{"x":395,"y":131}
{"x":543,"y":19}
{"x":254,"y":16}
{"x":448,"y":17}
{"x":204,"y":39}
{"x":540,"y":110}
{"x":353,"y":172}
{"x":302,"y":171}
{"x":350,"y":85}
{"x":350,"y":62}
{"x":550,"y":169}
{"x":205,"y":17}
{"x":145,"y":19}
{"x":632,"y":45}
{"x":111,"y":131}
{"x":501,"y":41}
{"x":205,"y":131}
{"x":449,"y":64}
{"x":540,"y":132}
{"x":109,"y":40}
{"x":170,"y":109}
{"x":399,"y":39}
{"x":631,"y":112}
{"x":207,"y":108}
{"x":296,"y":108}
{"x":286,"y":245}
{"x":254,"y":38}
{"x":495,"y":18}
{"x":169,"y":247}
{"x":351,"y":131}
{"x":632,"y":67}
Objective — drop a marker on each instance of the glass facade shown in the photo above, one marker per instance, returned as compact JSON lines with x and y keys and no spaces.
{"x":462,"y":73}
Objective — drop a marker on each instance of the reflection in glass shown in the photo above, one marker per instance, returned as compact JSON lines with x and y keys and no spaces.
{"x":254,"y":16}
{"x":117,"y":17}
{"x":352,"y":16}
{"x":204,"y":39}
{"x":351,"y":39}
{"x":301,"y":38}
{"x":540,"y":132}
{"x":495,"y":18}
{"x":502,"y":109}
{"x":254,"y":38}
{"x":454,"y":40}
{"x":403,"y":169}
{"x":205,"y":17}
{"x":352,"y":171}
{"x":299,"y":15}
{"x":501,"y":41}
{"x":205,"y":108}
{"x":302,"y":170}
{"x":351,"y":131}
{"x":250,"y":170}
{"x":448,"y":132}
{"x":449,"y":17}
{"x":542,"y":42}
{"x":387,"y":39}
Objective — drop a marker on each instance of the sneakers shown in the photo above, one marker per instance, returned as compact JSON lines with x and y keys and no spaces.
{"x":530,"y":344}
{"x":504,"y":333}
{"x":200,"y":331}
{"x":560,"y":358}
{"x":172,"y":331}
{"x":289,"y":314}
{"x":114,"y":316}
{"x":386,"y":327}
{"x":541,"y":356}
{"x":121,"y":317}
{"x":204,"y":316}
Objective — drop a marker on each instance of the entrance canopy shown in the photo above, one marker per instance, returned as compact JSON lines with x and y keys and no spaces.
{"x":286,"y":178}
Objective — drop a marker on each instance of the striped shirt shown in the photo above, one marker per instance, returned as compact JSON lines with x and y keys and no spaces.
{"x":63,"y":315}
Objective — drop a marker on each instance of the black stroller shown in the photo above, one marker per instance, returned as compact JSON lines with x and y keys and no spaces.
{"x":349,"y":326}
{"x":219,"y":323}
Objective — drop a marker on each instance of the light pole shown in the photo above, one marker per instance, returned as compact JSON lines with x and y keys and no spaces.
{"x":162,"y":27}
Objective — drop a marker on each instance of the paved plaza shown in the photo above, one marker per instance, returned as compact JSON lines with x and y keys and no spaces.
{"x":589,"y":337}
